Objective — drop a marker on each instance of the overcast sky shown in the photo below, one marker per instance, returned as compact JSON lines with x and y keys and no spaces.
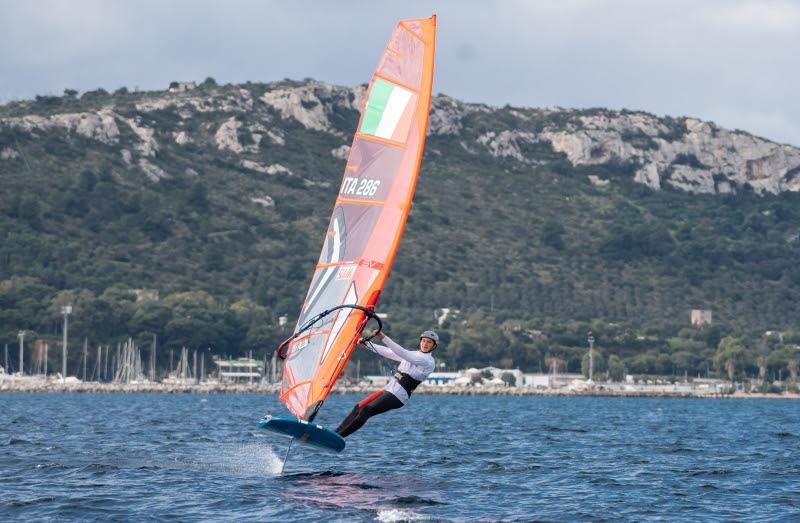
{"x":731,"y":61}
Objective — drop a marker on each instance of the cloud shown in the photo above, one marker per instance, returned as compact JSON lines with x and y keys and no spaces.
{"x":732,"y":61}
{"x":754,"y":17}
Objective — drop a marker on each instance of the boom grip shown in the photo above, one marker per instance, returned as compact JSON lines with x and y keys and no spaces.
{"x":282,"y":349}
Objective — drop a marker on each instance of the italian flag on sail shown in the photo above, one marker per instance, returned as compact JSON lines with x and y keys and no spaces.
{"x":389,"y":111}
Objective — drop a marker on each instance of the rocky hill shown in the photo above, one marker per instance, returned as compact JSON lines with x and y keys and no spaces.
{"x":219,"y":195}
{"x":684,"y":153}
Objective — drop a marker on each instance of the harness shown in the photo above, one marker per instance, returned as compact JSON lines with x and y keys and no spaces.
{"x":406,"y":381}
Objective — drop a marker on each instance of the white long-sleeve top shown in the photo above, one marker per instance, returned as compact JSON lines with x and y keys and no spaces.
{"x":415,"y":363}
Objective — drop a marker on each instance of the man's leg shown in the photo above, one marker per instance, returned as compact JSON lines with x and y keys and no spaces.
{"x":375,"y":404}
{"x":355,"y":413}
{"x":354,"y":420}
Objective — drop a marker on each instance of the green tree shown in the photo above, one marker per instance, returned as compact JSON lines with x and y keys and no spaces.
{"x":685,"y":361}
{"x":152,"y":317}
{"x":553,"y":234}
{"x":681,"y":344}
{"x":616,"y":369}
{"x":731,"y":356}
{"x":28,"y":210}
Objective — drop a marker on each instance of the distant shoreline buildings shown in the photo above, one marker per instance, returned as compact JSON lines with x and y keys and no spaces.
{"x":700,"y":317}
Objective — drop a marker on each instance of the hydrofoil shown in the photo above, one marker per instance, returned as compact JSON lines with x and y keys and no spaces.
{"x":303,"y":432}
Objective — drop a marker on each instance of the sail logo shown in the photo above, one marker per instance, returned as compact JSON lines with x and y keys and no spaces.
{"x":389,"y":111}
{"x":301,"y":343}
{"x":346,"y":272}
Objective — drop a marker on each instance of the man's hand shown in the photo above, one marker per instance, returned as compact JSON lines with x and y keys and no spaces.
{"x":375,"y":334}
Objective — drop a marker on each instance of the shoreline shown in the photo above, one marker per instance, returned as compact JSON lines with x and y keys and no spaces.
{"x":246,"y":388}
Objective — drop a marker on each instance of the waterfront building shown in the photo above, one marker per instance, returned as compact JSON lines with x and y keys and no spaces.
{"x":239,"y":370}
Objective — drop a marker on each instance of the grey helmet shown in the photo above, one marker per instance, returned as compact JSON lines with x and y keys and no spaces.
{"x":430,"y":334}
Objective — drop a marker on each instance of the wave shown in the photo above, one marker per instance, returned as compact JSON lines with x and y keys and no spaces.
{"x":415,"y":500}
{"x":396,"y":515}
{"x":248,"y":459}
{"x":19,"y":441}
{"x":551,"y":428}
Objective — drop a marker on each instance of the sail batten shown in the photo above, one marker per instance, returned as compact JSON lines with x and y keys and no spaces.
{"x":368,"y":218}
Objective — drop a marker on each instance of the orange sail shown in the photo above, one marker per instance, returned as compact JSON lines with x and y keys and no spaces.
{"x":368,"y":219}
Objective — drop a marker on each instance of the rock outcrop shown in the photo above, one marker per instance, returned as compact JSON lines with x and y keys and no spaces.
{"x":506,"y":144}
{"x":147,"y":145}
{"x":264,"y":201}
{"x":680,"y":153}
{"x":153,"y":172}
{"x":239,"y":101}
{"x":341,"y":152}
{"x":8,"y":154}
{"x":100,"y":126}
{"x":313,"y":104}
{"x":266,"y":169}
{"x":227,"y":136}
{"x":693,"y":156}
{"x":181,"y":137}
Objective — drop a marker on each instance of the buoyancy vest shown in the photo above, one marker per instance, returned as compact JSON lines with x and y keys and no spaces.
{"x":406,"y":381}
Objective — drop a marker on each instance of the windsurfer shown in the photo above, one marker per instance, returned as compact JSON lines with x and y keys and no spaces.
{"x":413,"y":369}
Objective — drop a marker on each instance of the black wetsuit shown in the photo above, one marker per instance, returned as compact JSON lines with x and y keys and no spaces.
{"x":375,"y":404}
{"x":414,"y":367}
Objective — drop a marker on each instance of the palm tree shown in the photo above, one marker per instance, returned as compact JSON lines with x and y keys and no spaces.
{"x":792,"y":366}
{"x":761,"y":361}
{"x":555,"y":364}
{"x":730,"y":368}
{"x":731,"y":354}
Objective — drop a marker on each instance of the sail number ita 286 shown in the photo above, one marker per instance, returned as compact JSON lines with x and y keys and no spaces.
{"x":359,"y":186}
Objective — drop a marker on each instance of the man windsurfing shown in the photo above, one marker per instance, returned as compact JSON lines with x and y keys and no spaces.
{"x":413,"y":369}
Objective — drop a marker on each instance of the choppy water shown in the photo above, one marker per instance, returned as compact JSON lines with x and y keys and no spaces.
{"x":200,"y":458}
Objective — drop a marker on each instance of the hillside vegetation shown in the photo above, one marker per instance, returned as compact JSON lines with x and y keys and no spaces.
{"x":217,"y":198}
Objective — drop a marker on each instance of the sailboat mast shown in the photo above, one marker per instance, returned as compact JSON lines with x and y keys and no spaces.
{"x":85,"y":355}
{"x":153,"y":360}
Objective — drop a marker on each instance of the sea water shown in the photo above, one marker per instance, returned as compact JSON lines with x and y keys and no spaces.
{"x":195,"y":457}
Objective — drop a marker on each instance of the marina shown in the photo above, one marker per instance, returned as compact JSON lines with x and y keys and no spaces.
{"x":34,"y":384}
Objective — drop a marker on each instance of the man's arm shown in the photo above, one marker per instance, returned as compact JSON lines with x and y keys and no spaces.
{"x":413,"y":357}
{"x":383,"y":351}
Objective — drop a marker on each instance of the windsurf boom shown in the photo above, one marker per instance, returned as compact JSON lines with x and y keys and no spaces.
{"x":368,"y":219}
{"x":370,"y":314}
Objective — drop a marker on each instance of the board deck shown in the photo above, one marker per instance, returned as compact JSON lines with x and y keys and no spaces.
{"x":304,"y":432}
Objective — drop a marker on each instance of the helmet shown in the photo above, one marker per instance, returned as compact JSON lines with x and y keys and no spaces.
{"x":430,"y":334}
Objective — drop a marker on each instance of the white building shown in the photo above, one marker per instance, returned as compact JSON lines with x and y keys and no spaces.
{"x":701,"y":317}
{"x":179,"y":87}
{"x":441,"y":378}
{"x":712,"y":385}
{"x":539,"y":381}
{"x":145,"y":294}
{"x":375,"y":381}
{"x":239,"y":370}
{"x":493,"y":376}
